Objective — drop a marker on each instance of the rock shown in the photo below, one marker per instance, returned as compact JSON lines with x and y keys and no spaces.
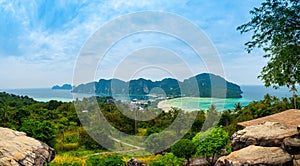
{"x":198,"y":161}
{"x":291,"y":145}
{"x":135,"y":162}
{"x":256,"y":155}
{"x":17,"y":149}
{"x":296,"y":163}
{"x":269,"y":134}
{"x":220,"y":161}
{"x":297,"y":156}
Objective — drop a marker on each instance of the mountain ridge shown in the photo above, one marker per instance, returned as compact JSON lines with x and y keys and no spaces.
{"x":201,"y":85}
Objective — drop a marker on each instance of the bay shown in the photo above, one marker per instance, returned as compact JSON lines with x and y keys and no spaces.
{"x":43,"y":94}
{"x":250,"y":93}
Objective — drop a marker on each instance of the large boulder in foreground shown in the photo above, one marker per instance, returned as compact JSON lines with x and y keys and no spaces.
{"x":17,"y":149}
{"x":269,"y":134}
{"x":256,"y":155}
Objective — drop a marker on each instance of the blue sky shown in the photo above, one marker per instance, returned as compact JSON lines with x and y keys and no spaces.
{"x":41,"y":40}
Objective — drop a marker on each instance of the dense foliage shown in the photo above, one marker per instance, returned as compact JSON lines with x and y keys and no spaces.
{"x":211,"y":142}
{"x":276,"y":29}
{"x":184,"y":148}
{"x":168,"y":159}
{"x":57,"y":124}
{"x":113,"y":160}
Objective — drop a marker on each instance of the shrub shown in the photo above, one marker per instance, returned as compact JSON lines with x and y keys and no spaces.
{"x":112,"y":160}
{"x":168,"y":159}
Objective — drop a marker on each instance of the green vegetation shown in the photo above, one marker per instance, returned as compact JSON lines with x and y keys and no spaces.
{"x":57,"y":124}
{"x":168,"y":159}
{"x":113,"y":160}
{"x":184,"y":148}
{"x":275,"y":26}
{"x":211,"y":142}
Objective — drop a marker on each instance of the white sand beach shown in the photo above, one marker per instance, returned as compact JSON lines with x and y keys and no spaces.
{"x":200,"y":103}
{"x":163,"y":105}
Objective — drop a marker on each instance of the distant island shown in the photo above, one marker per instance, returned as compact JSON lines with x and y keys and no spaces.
{"x":63,"y":87}
{"x":200,"y":85}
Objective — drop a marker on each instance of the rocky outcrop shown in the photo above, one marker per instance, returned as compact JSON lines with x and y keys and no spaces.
{"x":269,"y":143}
{"x":16,"y":149}
{"x":257,"y":155}
{"x":135,"y":162}
{"x":268,"y":134}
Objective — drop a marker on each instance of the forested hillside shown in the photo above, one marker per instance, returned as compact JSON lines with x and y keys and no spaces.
{"x":57,"y":124}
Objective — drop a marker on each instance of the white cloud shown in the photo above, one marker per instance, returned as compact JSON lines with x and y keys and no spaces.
{"x":47,"y":39}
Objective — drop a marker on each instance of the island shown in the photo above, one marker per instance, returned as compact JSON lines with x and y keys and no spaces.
{"x":201,"y":85}
{"x":63,"y":87}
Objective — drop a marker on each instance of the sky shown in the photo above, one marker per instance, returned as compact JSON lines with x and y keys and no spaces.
{"x":43,"y":42}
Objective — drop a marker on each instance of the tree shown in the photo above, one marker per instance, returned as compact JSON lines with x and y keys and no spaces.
{"x":276,"y":29}
{"x":211,"y":142}
{"x":226,"y":118}
{"x":198,"y":122}
{"x":43,"y":131}
{"x":183,"y":149}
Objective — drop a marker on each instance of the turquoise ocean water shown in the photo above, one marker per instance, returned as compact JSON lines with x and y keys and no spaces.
{"x":250,"y":93}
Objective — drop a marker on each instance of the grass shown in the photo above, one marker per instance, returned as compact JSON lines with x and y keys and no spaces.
{"x":66,"y":158}
{"x":80,"y":157}
{"x":71,"y":154}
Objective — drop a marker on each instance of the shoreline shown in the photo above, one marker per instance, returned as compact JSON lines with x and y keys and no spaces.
{"x":166,"y":107}
{"x":200,"y":103}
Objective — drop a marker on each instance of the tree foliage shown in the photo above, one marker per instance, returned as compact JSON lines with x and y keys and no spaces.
{"x":276,"y":29}
{"x":210,"y":142}
{"x":184,"y":148}
{"x":43,"y":131}
{"x":168,"y":159}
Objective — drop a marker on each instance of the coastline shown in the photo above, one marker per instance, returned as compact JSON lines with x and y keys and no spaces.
{"x":201,"y":103}
{"x":166,"y":107}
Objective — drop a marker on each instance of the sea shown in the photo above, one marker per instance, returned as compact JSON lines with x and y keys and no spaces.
{"x":250,"y":93}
